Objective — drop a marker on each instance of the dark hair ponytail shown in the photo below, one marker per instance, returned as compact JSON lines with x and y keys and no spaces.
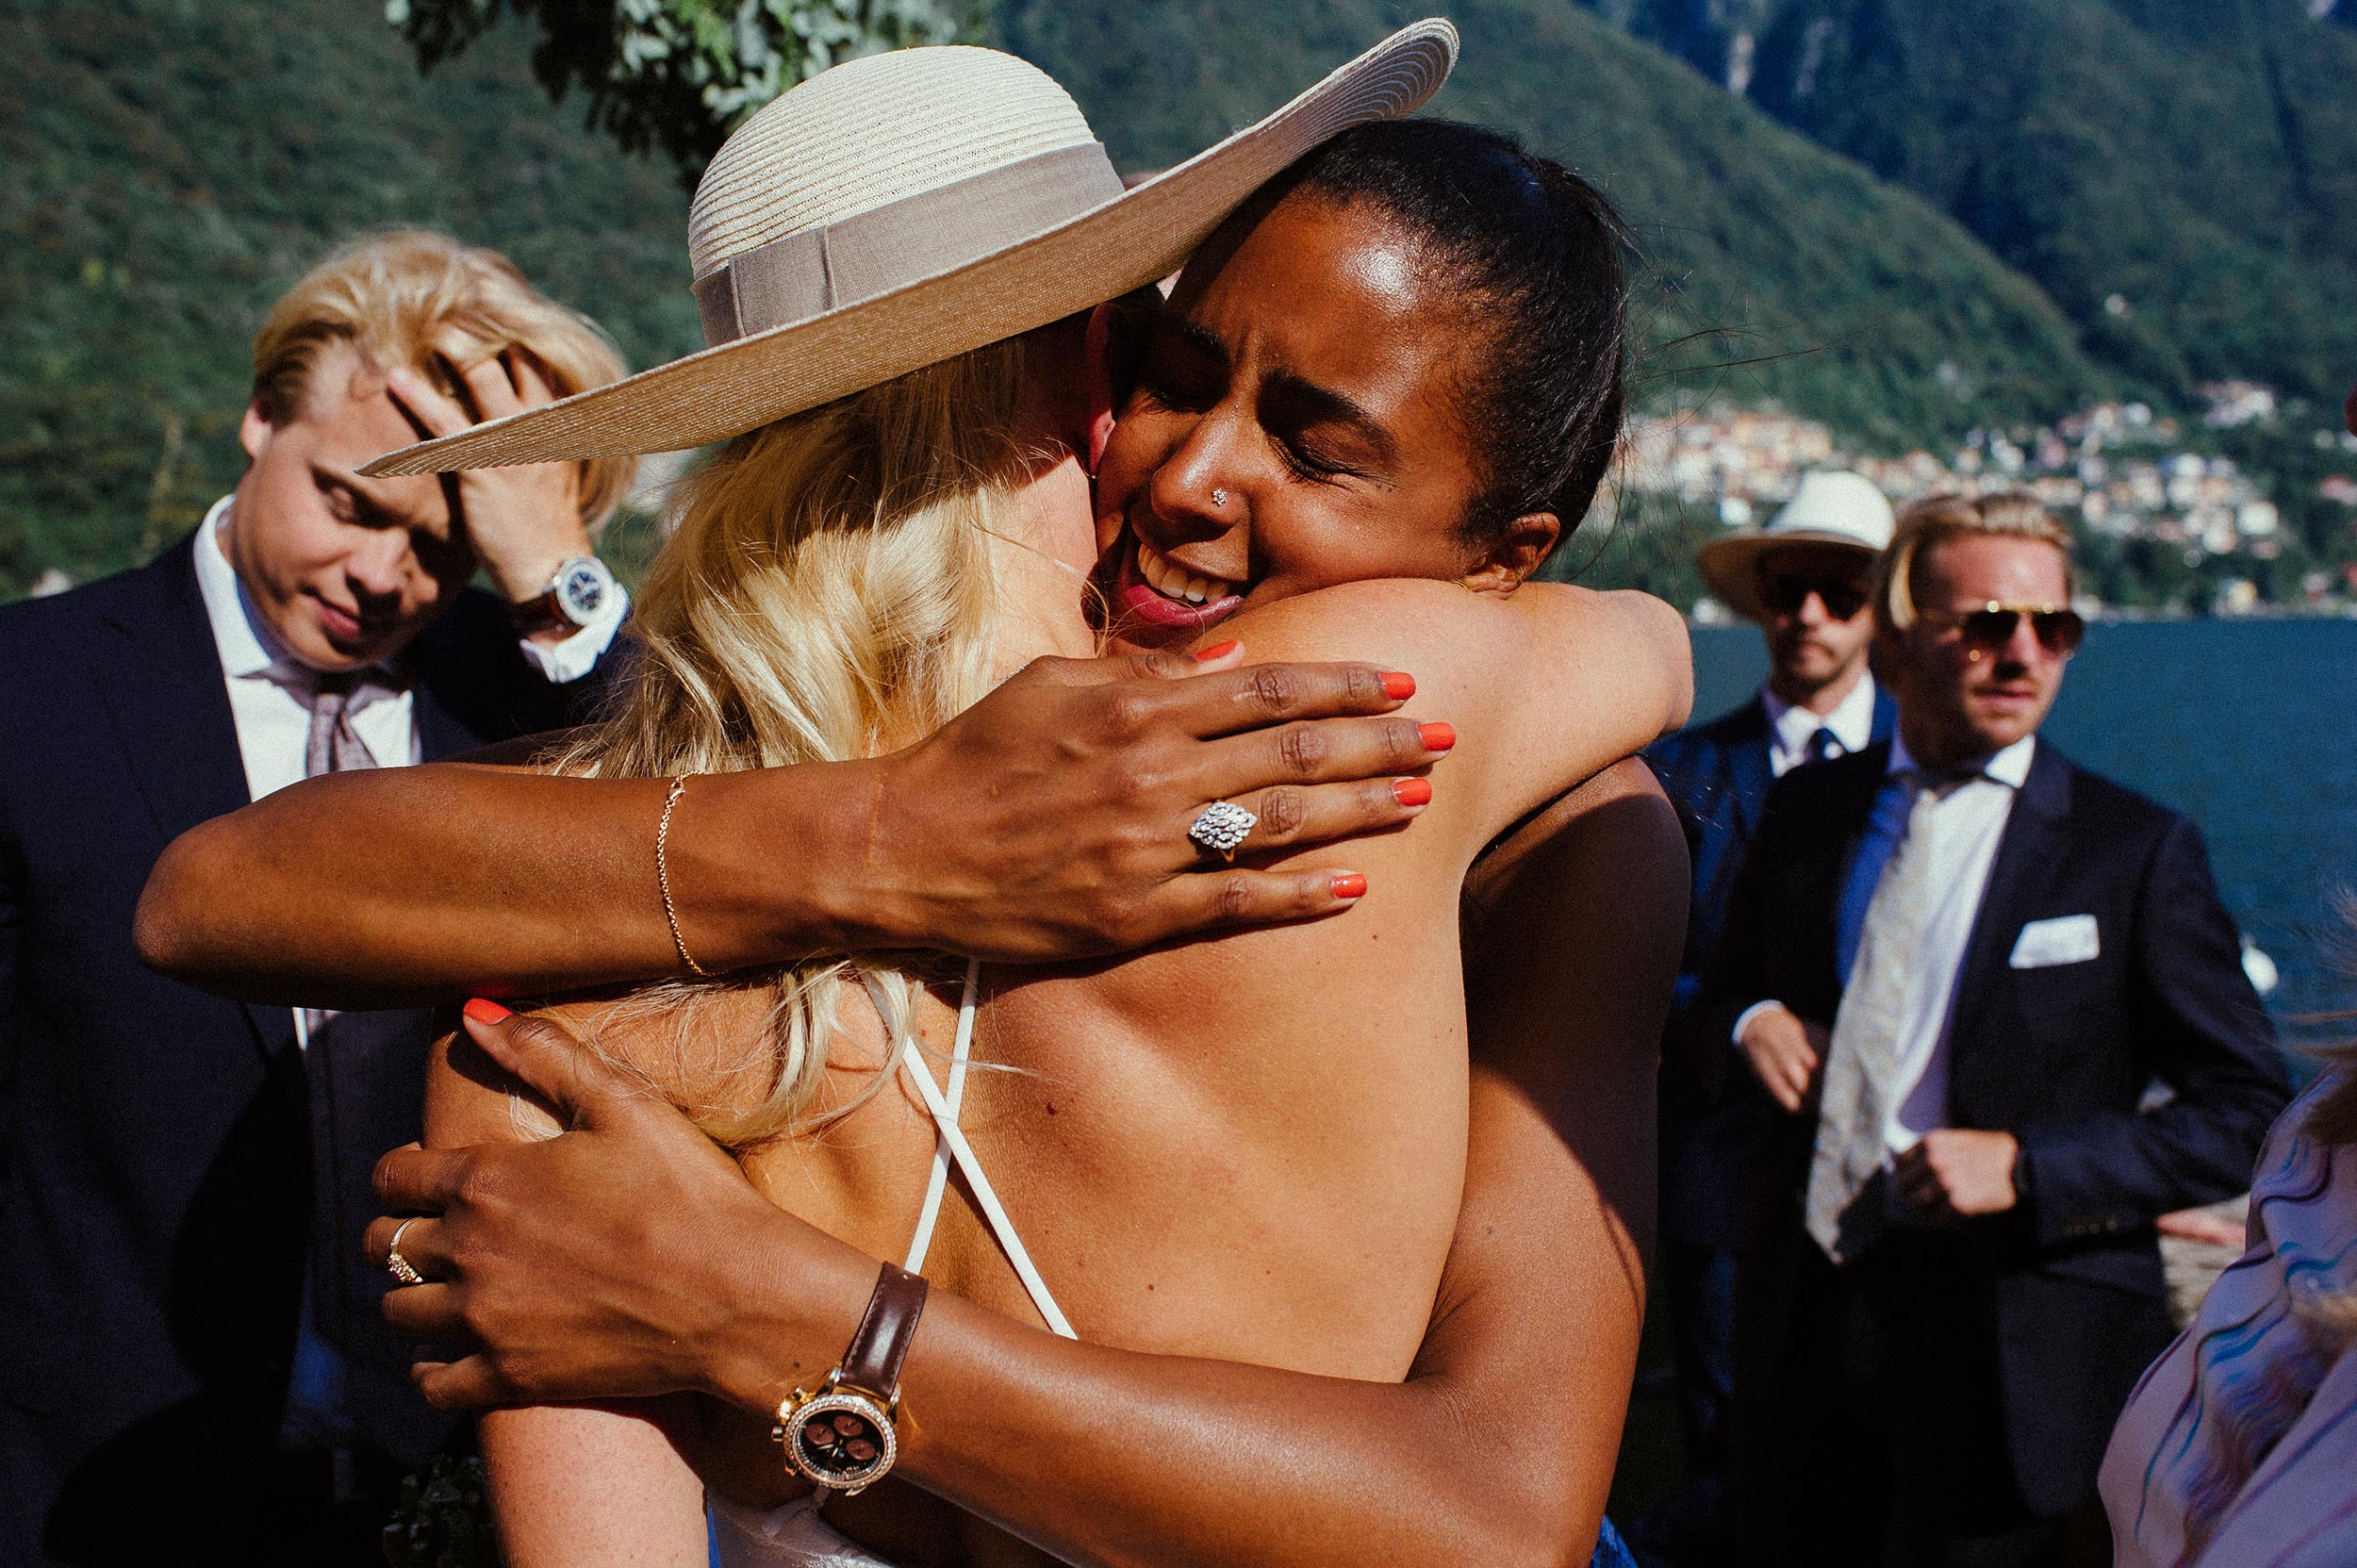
{"x":1535,"y":252}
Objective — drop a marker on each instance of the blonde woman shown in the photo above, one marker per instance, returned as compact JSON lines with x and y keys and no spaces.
{"x":1365,"y":423}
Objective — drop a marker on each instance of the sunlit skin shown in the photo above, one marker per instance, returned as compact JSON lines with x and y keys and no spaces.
{"x":1274,"y":451}
{"x":1956,"y":702}
{"x":344,"y":571}
{"x":1815,"y":658}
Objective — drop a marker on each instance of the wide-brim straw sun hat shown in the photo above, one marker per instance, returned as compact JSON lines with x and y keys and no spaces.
{"x":1829,"y":507}
{"x":902,"y":210}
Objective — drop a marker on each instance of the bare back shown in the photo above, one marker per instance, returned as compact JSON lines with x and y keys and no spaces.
{"x":1249,"y":1147}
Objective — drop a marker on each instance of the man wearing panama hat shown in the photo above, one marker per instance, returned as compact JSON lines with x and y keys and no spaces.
{"x":1802,"y":579}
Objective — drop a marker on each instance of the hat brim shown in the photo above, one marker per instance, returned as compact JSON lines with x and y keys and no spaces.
{"x":1731,"y":564}
{"x":1145,"y":233}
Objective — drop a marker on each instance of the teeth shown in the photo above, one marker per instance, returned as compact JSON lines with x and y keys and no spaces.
{"x":1174,"y":581}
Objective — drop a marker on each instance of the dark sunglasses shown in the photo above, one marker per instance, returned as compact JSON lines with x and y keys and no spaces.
{"x":1992,"y":626}
{"x":1784,"y":592}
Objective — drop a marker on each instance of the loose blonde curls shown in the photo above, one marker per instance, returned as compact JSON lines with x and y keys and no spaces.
{"x":827,"y":594}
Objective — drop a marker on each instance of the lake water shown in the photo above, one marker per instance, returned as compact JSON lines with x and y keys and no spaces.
{"x":2249,"y":727}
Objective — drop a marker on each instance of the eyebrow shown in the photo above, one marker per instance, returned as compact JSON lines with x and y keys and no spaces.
{"x":383,"y":514}
{"x":1320,"y":404}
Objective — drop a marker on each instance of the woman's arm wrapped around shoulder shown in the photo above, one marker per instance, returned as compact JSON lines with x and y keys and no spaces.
{"x":630,"y":1257}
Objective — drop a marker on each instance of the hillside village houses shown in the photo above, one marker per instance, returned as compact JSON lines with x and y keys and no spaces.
{"x":2109,"y":467}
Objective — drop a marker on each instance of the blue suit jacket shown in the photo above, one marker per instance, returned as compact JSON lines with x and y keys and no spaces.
{"x":2059,"y":1056}
{"x":1717,"y":775}
{"x":156,"y":1179}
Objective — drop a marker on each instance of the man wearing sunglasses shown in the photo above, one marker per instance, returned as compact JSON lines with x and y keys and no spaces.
{"x":1802,"y":579}
{"x":1956,"y":962}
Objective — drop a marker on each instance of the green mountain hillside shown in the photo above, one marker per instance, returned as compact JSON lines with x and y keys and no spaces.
{"x":2180,"y":175}
{"x":1860,"y":304}
{"x":168,"y":167}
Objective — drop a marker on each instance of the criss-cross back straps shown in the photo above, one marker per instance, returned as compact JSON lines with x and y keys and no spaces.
{"x":949,"y":1143}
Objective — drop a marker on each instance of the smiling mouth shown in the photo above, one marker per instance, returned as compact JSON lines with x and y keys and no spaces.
{"x":1160,"y":592}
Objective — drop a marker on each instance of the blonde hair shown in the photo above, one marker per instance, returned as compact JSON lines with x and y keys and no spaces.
{"x":827,"y":594}
{"x":2010,"y":514}
{"x":413,"y":298}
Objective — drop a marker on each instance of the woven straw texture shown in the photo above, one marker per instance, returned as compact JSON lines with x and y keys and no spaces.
{"x":774,"y":185}
{"x":869,"y":132}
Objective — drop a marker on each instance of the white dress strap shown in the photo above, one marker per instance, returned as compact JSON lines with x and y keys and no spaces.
{"x":949,"y":1143}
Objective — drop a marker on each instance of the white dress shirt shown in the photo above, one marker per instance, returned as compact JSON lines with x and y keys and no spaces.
{"x":1852,"y":722}
{"x":268,"y":688}
{"x":1966,"y":827}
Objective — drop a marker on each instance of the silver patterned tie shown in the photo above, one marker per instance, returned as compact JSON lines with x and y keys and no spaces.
{"x":332,"y":746}
{"x":1862,"y":1061}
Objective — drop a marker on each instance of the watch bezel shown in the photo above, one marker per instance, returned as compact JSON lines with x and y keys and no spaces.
{"x":800,"y":1410}
{"x":568,"y":588}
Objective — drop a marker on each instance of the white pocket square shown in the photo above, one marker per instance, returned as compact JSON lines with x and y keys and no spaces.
{"x":2065,"y":940}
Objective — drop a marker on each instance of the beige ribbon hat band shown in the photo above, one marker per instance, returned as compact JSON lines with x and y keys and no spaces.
{"x":905,"y":209}
{"x":873,"y":253}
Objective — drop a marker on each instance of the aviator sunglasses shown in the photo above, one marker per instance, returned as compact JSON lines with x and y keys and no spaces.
{"x":1784,"y":592}
{"x":1992,"y":626}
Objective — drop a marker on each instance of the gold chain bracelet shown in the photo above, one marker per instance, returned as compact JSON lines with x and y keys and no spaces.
{"x":662,"y":874}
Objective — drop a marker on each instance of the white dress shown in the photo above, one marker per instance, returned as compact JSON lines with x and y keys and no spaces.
{"x":798,"y":1535}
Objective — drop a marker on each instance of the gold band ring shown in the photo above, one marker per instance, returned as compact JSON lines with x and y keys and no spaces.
{"x":399,"y":1267}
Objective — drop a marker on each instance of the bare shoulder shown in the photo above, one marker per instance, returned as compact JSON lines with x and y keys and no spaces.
{"x":1544,"y":687}
{"x":471,"y":1099}
{"x":1439,"y":631}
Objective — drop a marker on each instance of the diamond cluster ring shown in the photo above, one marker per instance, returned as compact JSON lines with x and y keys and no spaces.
{"x":398,"y":1267}
{"x":1222,"y":828}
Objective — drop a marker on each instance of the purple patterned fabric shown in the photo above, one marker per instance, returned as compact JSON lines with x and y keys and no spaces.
{"x":2239,"y":1447}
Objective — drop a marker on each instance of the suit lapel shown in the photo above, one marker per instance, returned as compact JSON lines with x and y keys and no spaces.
{"x":1749,"y":771}
{"x":160,"y":684}
{"x":439,"y":734}
{"x":1886,"y":714}
{"x":2029,"y":855}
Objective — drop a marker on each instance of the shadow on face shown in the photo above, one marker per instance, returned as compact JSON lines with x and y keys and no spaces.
{"x":1293,"y":425}
{"x":1958,"y":698}
{"x":345,"y":572}
{"x":1818,"y":621}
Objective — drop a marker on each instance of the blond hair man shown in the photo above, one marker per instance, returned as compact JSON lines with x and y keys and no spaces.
{"x":1956,"y":962}
{"x":194,"y":1359}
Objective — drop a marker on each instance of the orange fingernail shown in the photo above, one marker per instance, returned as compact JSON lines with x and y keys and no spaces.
{"x":1217,"y":650}
{"x":483,"y":1010}
{"x":1399,"y":686}
{"x":1349,"y":884}
{"x":1411,"y":792}
{"x":1436,"y":735}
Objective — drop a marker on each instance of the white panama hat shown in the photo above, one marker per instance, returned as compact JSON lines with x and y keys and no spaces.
{"x":1830,"y":506}
{"x":907,"y":207}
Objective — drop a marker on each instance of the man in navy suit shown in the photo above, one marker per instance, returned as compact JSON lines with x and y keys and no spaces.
{"x":1957,"y":964}
{"x":194,"y":1365}
{"x":1802,"y":579}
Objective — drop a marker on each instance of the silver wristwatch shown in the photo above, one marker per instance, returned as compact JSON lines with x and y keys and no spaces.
{"x":575,"y":596}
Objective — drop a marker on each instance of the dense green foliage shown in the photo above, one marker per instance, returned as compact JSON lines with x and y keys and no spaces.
{"x":2180,"y":175}
{"x":167,"y":168}
{"x":1811,"y":283}
{"x":680,"y":74}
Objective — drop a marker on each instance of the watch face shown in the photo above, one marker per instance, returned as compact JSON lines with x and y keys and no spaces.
{"x":581,"y":589}
{"x":841,"y":1440}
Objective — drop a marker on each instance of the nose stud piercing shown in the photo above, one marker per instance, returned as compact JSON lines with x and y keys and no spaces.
{"x":1219,"y":498}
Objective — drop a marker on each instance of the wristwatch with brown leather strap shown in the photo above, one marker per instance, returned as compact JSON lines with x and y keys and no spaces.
{"x":842,"y":1436}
